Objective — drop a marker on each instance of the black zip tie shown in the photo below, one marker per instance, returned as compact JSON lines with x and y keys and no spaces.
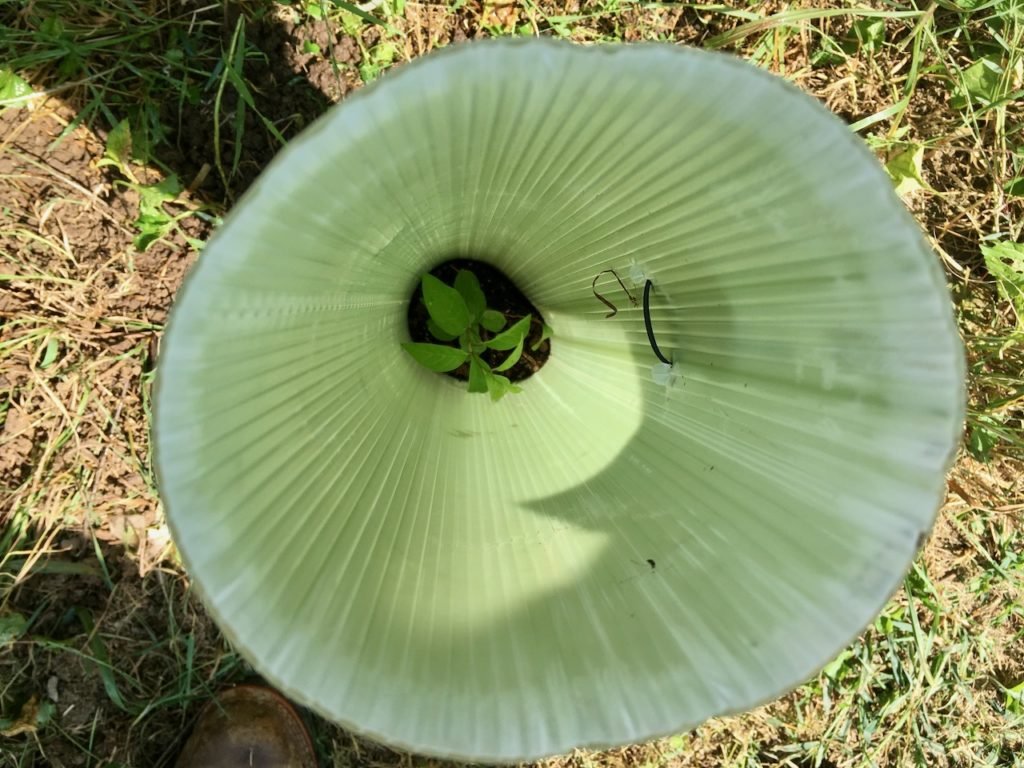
{"x":603,"y":300}
{"x":647,"y":323}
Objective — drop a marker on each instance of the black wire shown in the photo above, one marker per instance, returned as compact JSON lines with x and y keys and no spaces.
{"x":647,"y":323}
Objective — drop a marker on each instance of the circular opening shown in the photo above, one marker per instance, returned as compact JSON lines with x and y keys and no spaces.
{"x":503,"y":296}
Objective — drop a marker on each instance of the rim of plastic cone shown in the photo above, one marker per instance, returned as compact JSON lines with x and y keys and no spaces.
{"x":614,"y":554}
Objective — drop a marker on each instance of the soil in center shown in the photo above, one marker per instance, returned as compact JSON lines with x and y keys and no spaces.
{"x":503,"y":296}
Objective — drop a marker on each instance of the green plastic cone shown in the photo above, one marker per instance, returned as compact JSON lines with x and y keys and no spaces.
{"x":604,"y":557}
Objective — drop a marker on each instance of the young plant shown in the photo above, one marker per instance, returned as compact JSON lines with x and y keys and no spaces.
{"x":461,"y":313}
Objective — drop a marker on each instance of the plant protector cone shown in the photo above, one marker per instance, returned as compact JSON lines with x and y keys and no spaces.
{"x":622,"y":550}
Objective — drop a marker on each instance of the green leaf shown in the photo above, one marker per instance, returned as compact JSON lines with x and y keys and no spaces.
{"x":904,"y":168}
{"x":50,"y":355}
{"x":119,"y":143}
{"x":870,"y":34}
{"x":119,"y":147}
{"x":1005,"y":262}
{"x":102,"y":659}
{"x":546,"y":333}
{"x":982,"y":437}
{"x":355,"y":10}
{"x":469,"y":288}
{"x":154,"y":222}
{"x":52,"y":28}
{"x":438,"y":333}
{"x":513,"y":358}
{"x":12,"y":626}
{"x":492,"y":320}
{"x":510,"y":338}
{"x":12,"y":87}
{"x":380,"y":57}
{"x":436,"y":357}
{"x":832,"y":669}
{"x":479,"y":373}
{"x":499,"y":386}
{"x":1015,"y":699}
{"x":981,"y":84}
{"x":152,"y":197}
{"x":445,"y":305}
{"x":828,"y":53}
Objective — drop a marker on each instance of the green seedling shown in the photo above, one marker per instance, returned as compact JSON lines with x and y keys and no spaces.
{"x":460,"y":313}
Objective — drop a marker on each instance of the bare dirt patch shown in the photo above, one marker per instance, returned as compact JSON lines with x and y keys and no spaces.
{"x":80,"y":318}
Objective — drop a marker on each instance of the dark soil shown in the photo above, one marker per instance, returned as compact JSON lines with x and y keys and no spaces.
{"x":104,"y":652}
{"x":502,"y":296}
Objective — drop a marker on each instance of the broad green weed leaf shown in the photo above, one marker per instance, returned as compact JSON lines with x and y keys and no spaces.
{"x":155,"y":195}
{"x":478,"y":375}
{"x":493,"y":321}
{"x":12,"y":87}
{"x":119,"y":148}
{"x":469,"y":288}
{"x":380,"y":57}
{"x":546,"y":333}
{"x":154,"y":221}
{"x":12,"y":626}
{"x":508,"y":339}
{"x":513,"y":358}
{"x":1005,"y":262}
{"x":982,"y":437}
{"x":1015,"y":699}
{"x":870,"y":34}
{"x":829,"y":53}
{"x":981,"y":84}
{"x":833,"y":668}
{"x":904,"y":168}
{"x":445,"y":305}
{"x":438,"y":333}
{"x":436,"y":357}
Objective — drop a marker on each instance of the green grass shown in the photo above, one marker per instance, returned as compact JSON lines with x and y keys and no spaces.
{"x":89,"y":594}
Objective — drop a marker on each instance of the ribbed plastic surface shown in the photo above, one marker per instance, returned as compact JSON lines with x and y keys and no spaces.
{"x":471,"y":579}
